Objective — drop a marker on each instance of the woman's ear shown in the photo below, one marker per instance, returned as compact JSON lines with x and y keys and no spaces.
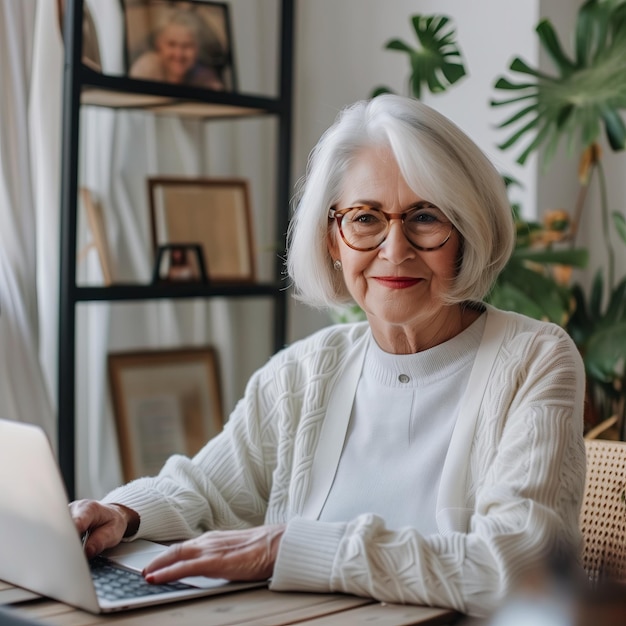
{"x":333,"y":246}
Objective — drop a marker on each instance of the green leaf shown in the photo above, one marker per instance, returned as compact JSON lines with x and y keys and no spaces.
{"x":377,"y":91}
{"x":605,"y":359}
{"x":453,"y":72}
{"x":436,"y":62}
{"x":521,"y":132}
{"x":550,"y":42}
{"x":580,"y":325}
{"x":620,"y":225}
{"x":509,"y":298}
{"x":585,"y":97}
{"x":597,"y":292}
{"x":576,"y":257}
{"x":539,"y":295}
{"x":564,"y":115}
{"x":505,"y":83}
{"x":499,"y":103}
{"x":398,"y":44}
{"x":519,"y":115}
{"x":616,"y":309}
{"x":539,"y":137}
{"x":519,"y":65}
{"x":583,"y":43}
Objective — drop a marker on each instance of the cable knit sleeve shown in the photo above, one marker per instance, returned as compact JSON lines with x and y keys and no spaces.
{"x":525,"y":480}
{"x":243,"y":477}
{"x":225,"y":485}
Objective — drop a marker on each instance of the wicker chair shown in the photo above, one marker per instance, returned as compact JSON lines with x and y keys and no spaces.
{"x":603,"y":514}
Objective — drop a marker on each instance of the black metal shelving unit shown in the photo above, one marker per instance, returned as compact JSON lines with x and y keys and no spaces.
{"x":83,"y":86}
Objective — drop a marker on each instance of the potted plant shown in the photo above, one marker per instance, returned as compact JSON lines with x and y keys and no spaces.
{"x":587,"y":94}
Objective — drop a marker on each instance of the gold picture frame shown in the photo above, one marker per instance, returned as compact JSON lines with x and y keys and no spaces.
{"x":164,"y":402}
{"x":212,"y":212}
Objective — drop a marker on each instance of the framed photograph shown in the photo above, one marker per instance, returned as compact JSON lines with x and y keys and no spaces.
{"x":91,"y":48}
{"x":99,"y":241}
{"x":180,"y":263}
{"x":186,"y":42}
{"x":164,"y":402}
{"x":212,"y":212}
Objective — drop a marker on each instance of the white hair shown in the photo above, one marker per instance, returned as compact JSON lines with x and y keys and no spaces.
{"x":437,"y":160}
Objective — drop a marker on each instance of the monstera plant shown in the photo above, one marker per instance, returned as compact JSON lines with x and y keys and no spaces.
{"x":436,"y":63}
{"x":585,"y":97}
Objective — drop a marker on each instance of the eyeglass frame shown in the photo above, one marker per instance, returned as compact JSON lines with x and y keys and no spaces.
{"x":337,"y":214}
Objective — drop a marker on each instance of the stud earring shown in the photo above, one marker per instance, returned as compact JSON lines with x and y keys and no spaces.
{"x":337,"y":265}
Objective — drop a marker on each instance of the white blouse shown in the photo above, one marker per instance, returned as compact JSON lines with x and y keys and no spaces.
{"x":401,"y":424}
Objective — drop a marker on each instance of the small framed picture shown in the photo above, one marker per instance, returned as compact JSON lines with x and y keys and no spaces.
{"x":180,"y":263}
{"x":185,"y":42}
{"x":215,"y":213}
{"x":165,"y":402}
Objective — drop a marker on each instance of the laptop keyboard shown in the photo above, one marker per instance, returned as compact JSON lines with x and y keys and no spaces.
{"x":115,"y":583}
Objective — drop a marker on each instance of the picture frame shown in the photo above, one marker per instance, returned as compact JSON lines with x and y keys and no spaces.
{"x":91,"y":47}
{"x":164,"y":402}
{"x":179,"y":263}
{"x":95,"y":222}
{"x":187,"y":42}
{"x":213,"y":212}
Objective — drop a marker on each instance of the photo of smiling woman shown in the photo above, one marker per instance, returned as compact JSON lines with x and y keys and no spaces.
{"x":182,"y":47}
{"x":430,"y":454}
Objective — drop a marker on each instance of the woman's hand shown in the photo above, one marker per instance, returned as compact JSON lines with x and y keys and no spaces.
{"x":232,"y":554}
{"x":102,"y":525}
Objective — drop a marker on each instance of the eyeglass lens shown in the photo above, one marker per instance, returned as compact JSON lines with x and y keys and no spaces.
{"x":365,"y":228}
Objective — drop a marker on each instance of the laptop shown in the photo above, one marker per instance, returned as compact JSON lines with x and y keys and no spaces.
{"x":42,"y":551}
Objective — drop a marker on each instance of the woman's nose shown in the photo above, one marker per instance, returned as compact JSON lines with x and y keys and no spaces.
{"x":396,"y":248}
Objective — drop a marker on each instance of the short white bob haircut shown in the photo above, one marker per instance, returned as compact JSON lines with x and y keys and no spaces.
{"x":439,"y":163}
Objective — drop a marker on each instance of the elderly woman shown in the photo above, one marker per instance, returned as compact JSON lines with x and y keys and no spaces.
{"x":432,"y":454}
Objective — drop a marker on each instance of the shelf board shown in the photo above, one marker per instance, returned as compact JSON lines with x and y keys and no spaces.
{"x":122,"y":92}
{"x":137,"y":291}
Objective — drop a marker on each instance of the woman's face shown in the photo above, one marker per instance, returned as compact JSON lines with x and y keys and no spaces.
{"x":178,"y":50}
{"x":395,"y":284}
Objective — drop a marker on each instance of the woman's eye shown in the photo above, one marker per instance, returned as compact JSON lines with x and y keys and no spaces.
{"x":366,"y":217}
{"x":422,"y":217}
{"x":426,"y":215}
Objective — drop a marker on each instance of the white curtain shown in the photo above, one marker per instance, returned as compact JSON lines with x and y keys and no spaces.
{"x":25,"y":316}
{"x":119,"y":150}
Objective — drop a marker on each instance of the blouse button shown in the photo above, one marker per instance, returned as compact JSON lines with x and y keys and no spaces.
{"x":403,"y":378}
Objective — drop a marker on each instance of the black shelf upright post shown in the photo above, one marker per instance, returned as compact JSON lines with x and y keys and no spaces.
{"x":72,"y":28}
{"x":283,"y":178}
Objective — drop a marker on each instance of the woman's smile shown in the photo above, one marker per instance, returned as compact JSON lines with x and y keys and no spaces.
{"x":397,"y":282}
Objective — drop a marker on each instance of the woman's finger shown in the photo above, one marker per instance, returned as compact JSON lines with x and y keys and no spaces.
{"x":234,"y":555}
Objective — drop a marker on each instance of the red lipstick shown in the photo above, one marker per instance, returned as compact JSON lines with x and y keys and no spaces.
{"x":397,"y":282}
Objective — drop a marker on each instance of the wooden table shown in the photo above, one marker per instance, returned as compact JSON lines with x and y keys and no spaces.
{"x":256,"y":607}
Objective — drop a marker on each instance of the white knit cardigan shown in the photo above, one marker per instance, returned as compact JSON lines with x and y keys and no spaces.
{"x":509,"y":496}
